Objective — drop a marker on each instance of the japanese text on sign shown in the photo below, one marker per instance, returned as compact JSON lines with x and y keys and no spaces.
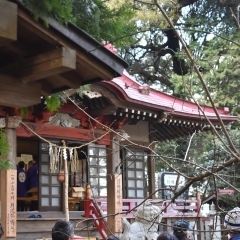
{"x":118,"y":203}
{"x":171,"y":180}
{"x":11,"y":203}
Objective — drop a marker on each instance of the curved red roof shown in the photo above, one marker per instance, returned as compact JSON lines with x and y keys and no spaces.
{"x":128,"y":91}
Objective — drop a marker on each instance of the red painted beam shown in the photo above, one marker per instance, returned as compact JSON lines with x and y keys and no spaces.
{"x":49,"y":131}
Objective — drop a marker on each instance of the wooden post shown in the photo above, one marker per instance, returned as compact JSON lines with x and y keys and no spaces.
{"x":114,"y":186}
{"x":151,"y":176}
{"x":8,"y":183}
{"x":88,"y":202}
{"x":198,"y":198}
{"x":200,"y":219}
{"x":200,"y":227}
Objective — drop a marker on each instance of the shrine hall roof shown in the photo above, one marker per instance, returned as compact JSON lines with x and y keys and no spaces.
{"x":37,"y":61}
{"x":169,"y":117}
{"x":130,"y":92}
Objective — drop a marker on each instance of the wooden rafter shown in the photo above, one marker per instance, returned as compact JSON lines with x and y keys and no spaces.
{"x":42,"y":66}
{"x":168,"y":130}
{"x":179,"y":131}
{"x":52,"y":37}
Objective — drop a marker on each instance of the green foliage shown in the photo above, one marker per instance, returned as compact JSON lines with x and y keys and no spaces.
{"x":219,"y":61}
{"x":103,"y":23}
{"x":93,"y":16}
{"x":4,"y":149}
{"x":23,"y":111}
{"x":230,"y":201}
{"x":59,"y":9}
{"x":210,"y":31}
{"x":53,"y":103}
{"x":205,"y":153}
{"x":169,"y":150}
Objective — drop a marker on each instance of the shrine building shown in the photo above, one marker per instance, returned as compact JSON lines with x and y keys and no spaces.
{"x":108,"y":131}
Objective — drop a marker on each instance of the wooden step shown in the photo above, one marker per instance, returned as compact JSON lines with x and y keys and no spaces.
{"x":38,"y":228}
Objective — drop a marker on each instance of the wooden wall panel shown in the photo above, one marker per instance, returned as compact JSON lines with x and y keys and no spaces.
{"x":138,"y":132}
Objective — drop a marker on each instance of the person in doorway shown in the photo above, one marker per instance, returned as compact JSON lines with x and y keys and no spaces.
{"x":181,"y":230}
{"x":232,"y":224}
{"x":29,"y":164}
{"x":21,"y":185}
{"x":62,"y":230}
{"x":32,"y":176}
{"x":166,"y":236}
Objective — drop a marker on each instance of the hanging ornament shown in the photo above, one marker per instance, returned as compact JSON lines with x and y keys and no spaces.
{"x":75,"y":161}
{"x":71,"y":153}
{"x":51,"y":155}
{"x":65,"y":153}
{"x":61,"y":176}
{"x":61,"y":166}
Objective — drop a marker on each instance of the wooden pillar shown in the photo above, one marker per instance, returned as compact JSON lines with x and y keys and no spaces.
{"x":8,"y":183}
{"x":114,"y":186}
{"x":151,"y":176}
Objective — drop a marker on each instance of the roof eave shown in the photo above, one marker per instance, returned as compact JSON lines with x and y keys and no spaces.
{"x":87,"y":43}
{"x":91,"y":46}
{"x":125,"y":98}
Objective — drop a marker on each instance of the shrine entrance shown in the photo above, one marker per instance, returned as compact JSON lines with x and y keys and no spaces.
{"x":48,"y":194}
{"x":90,"y":168}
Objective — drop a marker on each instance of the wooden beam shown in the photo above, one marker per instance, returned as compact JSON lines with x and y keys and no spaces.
{"x":51,"y":36}
{"x":13,"y":93}
{"x":42,"y":66}
{"x":47,"y":130}
{"x":72,"y":80}
{"x":8,"y":22}
{"x":22,"y":49}
{"x":65,"y":81}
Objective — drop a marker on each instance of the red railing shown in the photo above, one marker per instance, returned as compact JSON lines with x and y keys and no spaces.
{"x":97,"y":209}
{"x":93,"y":211}
{"x":188,"y":207}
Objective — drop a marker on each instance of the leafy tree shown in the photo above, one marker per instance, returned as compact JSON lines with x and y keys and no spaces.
{"x":206,"y":152}
{"x":93,"y":16}
{"x":105,"y":23}
{"x":155,"y":55}
{"x":210,"y":32}
{"x":59,"y":9}
{"x":153,"y":51}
